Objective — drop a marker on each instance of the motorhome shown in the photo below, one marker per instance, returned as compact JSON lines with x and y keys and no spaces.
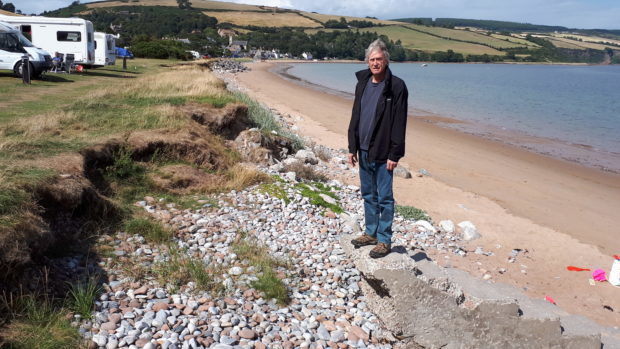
{"x":66,"y":36}
{"x":14,"y":46}
{"x":105,"y":49}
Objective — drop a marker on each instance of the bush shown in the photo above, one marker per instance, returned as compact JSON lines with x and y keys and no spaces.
{"x":163,"y":49}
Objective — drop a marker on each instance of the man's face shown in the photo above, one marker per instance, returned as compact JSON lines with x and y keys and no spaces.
{"x":376,"y":62}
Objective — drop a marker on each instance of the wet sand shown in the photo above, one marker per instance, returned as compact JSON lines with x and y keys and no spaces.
{"x":561,"y":213}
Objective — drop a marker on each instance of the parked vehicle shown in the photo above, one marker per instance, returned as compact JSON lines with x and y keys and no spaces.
{"x":67,"y":36}
{"x":13,"y":46}
{"x":105,"y":49}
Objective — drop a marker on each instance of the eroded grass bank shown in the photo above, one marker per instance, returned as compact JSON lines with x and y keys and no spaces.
{"x":73,"y":164}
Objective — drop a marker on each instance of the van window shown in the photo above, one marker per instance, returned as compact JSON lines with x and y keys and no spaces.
{"x":10,"y":42}
{"x":69,"y":36}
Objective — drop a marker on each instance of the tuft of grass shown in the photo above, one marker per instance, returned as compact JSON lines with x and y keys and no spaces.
{"x":274,"y":190}
{"x":37,"y":322}
{"x":124,"y":168}
{"x":82,"y":297}
{"x":240,"y":177}
{"x":264,"y":119}
{"x":313,"y":192}
{"x":152,"y":231}
{"x":181,"y":268}
{"x":410,"y":212}
{"x":258,"y":256}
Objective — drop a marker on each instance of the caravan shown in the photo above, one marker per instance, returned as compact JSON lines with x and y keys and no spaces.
{"x":66,"y":36}
{"x":14,"y":46}
{"x":105,"y":49}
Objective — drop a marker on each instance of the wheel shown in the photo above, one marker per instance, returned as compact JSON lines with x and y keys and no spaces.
{"x":19,"y":70}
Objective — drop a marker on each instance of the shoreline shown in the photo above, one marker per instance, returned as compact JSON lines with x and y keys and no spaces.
{"x":581,"y":154}
{"x":557,"y":213}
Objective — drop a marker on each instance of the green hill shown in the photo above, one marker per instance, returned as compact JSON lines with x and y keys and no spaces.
{"x":293,"y":31}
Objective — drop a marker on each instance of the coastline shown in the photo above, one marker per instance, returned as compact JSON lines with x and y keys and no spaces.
{"x":581,"y":154}
{"x":559,"y":212}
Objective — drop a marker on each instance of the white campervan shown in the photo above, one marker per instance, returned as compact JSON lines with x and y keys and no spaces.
{"x":13,"y":46}
{"x":105,"y":49}
{"x":68,"y":36}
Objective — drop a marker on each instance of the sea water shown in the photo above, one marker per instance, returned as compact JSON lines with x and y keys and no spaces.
{"x":572,"y":112}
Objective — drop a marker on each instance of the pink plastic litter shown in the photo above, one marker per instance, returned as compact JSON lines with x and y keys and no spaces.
{"x":599,"y":275}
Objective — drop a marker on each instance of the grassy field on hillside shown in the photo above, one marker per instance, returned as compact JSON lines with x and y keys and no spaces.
{"x":588,"y":38}
{"x":465,"y":35}
{"x":516,"y":40}
{"x":416,"y":40}
{"x":263,"y":19}
{"x":324,"y":18}
{"x":201,"y":4}
{"x":565,"y":42}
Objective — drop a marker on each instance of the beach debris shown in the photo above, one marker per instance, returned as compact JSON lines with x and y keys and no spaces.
{"x":592,"y":282}
{"x":479,"y":250}
{"x":599,"y":275}
{"x":487,"y":276}
{"x":550,"y":300}
{"x":607,"y":307}
{"x":469,"y":231}
{"x":402,"y":172}
{"x":514,"y":253}
{"x":424,"y":172}
{"x":501,"y":270}
{"x":447,"y":226}
{"x":614,"y":274}
{"x":573,"y":268}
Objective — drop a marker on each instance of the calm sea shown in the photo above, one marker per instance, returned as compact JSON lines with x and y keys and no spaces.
{"x":570,"y":112}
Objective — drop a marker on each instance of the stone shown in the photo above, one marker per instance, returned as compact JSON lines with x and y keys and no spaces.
{"x":247,"y":333}
{"x":447,"y":226}
{"x":235,"y":271}
{"x":307,"y":156}
{"x":468,"y":231}
{"x":160,"y":306}
{"x":402,"y":172}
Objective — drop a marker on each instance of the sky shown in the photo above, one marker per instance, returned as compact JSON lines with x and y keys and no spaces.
{"x":584,"y":14}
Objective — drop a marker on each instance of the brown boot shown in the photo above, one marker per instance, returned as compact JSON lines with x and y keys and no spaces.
{"x":381,"y":250}
{"x":364,"y":240}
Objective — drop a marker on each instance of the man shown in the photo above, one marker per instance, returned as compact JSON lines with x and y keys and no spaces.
{"x":377,"y":140}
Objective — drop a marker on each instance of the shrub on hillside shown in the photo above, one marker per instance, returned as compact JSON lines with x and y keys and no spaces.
{"x":163,"y":49}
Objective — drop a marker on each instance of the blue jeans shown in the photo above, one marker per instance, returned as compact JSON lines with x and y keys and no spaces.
{"x":376,"y":183}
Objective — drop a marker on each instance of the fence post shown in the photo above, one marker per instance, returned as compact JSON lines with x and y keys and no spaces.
{"x":25,"y":70}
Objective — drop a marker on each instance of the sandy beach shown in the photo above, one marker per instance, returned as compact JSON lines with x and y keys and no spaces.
{"x":556,"y":212}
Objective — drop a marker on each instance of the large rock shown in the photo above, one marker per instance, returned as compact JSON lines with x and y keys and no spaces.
{"x":401,"y":171}
{"x":448,"y":308}
{"x":468,"y":230}
{"x":447,"y":226}
{"x":307,"y":156}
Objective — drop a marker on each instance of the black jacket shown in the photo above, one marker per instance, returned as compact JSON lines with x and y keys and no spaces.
{"x":388,"y":130}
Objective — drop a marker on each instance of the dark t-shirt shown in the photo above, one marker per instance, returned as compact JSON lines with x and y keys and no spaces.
{"x":370,"y":98}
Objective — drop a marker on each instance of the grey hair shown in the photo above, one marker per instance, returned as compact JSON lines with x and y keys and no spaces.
{"x":376,"y":46}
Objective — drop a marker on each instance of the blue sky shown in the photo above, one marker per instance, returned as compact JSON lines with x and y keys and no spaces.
{"x":603,"y":14}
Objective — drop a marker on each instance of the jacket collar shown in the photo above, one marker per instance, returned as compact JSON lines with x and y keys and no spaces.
{"x":364,"y":75}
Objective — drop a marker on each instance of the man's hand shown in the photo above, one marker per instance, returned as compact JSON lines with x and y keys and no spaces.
{"x":352,"y":159}
{"x":391,"y":165}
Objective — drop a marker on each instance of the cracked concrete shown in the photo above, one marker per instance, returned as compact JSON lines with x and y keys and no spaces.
{"x":439,"y":307}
